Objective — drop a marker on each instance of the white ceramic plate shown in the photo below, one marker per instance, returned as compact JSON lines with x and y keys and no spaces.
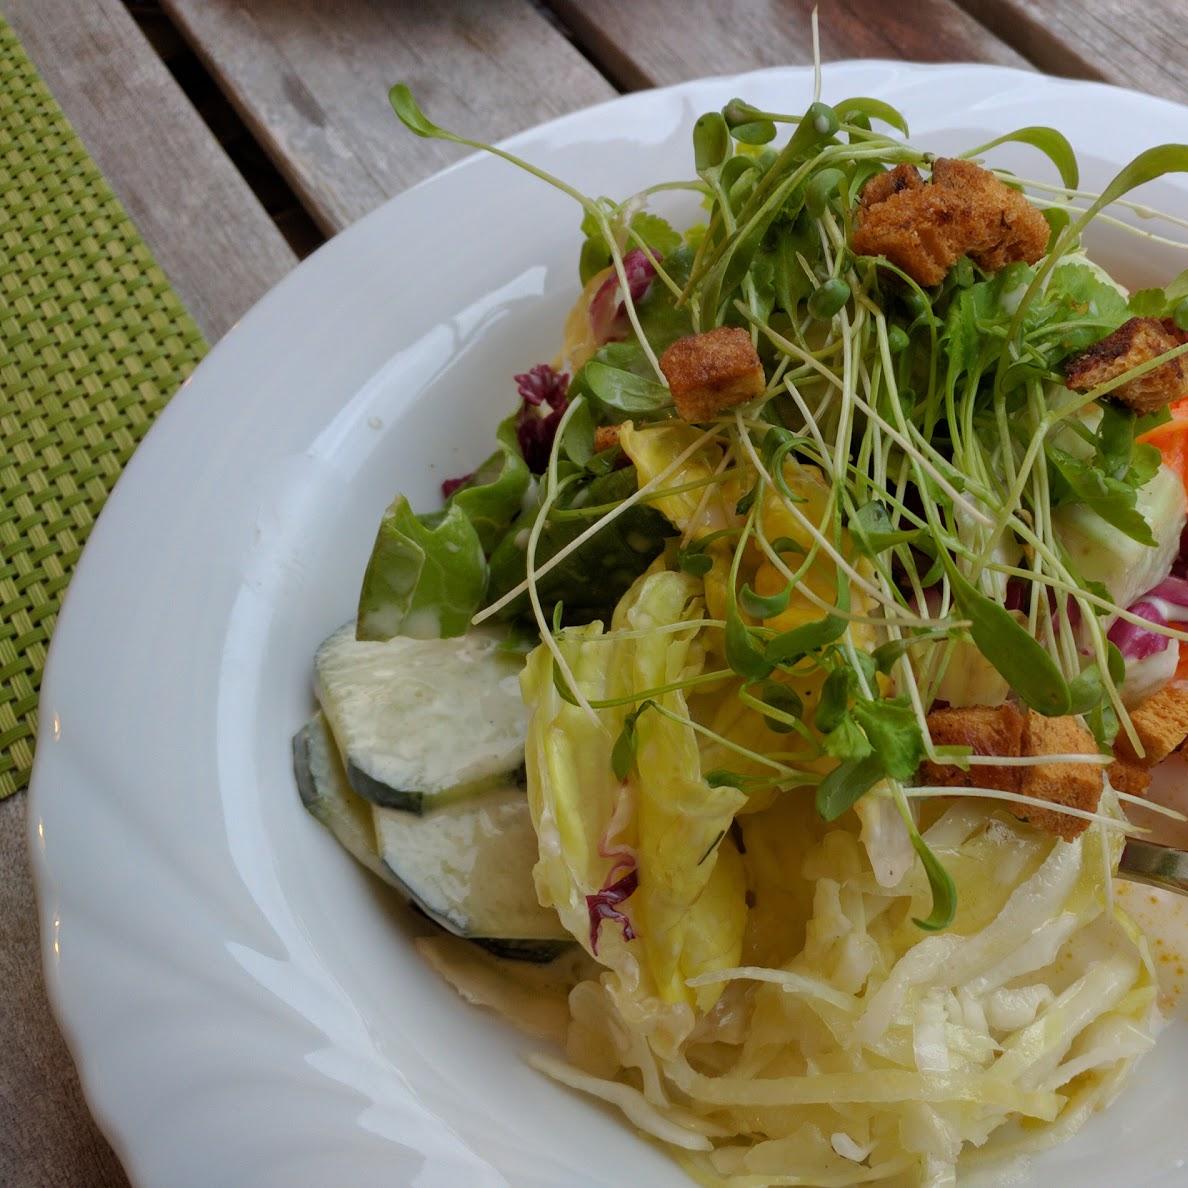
{"x":244,"y":1004}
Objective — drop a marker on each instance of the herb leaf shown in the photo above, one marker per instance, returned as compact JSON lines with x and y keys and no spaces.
{"x":764,"y":606}
{"x":623,"y":752}
{"x":711,"y":142}
{"x":743,"y":655}
{"x":1012,"y":650}
{"x":625,"y":391}
{"x":873,"y":530}
{"x":846,"y":740}
{"x":846,"y":784}
{"x":886,"y":654}
{"x":1054,"y":145}
{"x":894,"y":733}
{"x":808,"y":637}
{"x":944,"y":891}
{"x":873,"y":109}
{"x":834,"y":700}
{"x":694,"y":562}
{"x":782,"y":698}
{"x":410,"y":114}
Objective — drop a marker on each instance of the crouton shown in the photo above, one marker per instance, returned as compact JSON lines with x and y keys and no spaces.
{"x":1003,"y":730}
{"x":963,"y":211}
{"x":712,"y":371}
{"x":605,"y":437}
{"x":1132,"y":778}
{"x":883,"y":185}
{"x":1134,"y":342}
{"x":1074,"y":785}
{"x":986,"y":730}
{"x":1161,"y":722}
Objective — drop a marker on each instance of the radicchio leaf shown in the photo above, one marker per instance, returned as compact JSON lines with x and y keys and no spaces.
{"x":608,"y":316}
{"x":602,"y":906}
{"x":1133,"y":641}
{"x":543,"y":392}
{"x":450,"y":485}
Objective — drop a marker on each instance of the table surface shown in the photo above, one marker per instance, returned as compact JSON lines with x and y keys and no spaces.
{"x":276,"y":110}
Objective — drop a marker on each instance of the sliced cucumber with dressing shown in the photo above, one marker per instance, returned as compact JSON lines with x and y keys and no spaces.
{"x":469,"y":865}
{"x":423,"y":722}
{"x":325,"y":792}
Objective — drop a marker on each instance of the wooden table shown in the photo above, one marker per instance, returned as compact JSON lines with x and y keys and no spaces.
{"x":307,"y":144}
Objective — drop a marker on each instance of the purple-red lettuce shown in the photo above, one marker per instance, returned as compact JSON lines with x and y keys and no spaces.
{"x":543,"y":403}
{"x":603,"y":905}
{"x":1137,"y":643}
{"x":450,"y":485}
{"x":608,"y":309}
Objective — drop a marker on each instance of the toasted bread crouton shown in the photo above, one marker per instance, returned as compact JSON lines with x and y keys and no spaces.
{"x":883,"y":185}
{"x":712,"y":371}
{"x":963,"y":211}
{"x":605,"y":437}
{"x":1132,"y":778}
{"x":986,"y":730}
{"x":1003,"y":730}
{"x":1134,"y":342}
{"x":1074,"y":785}
{"x":1161,"y":722}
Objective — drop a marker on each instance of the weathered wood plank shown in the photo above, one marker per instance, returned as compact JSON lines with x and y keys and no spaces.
{"x":311,"y":79}
{"x":47,"y":1137}
{"x":1144,"y":46}
{"x":656,"y":42}
{"x":208,"y":231}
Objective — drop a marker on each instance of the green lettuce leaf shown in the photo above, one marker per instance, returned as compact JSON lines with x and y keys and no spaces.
{"x":591,"y":580}
{"x":426,"y":576}
{"x":495,"y":493}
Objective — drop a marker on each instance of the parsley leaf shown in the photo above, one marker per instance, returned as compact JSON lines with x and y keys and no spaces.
{"x":894,"y":733}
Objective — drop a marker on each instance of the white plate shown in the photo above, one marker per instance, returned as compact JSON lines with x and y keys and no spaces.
{"x":243,"y":1003}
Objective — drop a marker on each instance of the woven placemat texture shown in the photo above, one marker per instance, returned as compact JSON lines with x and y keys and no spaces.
{"x":93,"y":341}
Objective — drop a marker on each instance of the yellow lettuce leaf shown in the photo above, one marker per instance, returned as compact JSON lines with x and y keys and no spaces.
{"x":697,"y":512}
{"x":688,"y":911}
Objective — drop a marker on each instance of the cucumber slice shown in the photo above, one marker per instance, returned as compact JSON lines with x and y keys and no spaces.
{"x":469,"y":867}
{"x":329,"y":799}
{"x":423,"y":722}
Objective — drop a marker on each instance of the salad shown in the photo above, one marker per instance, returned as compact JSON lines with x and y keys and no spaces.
{"x":776,"y":690}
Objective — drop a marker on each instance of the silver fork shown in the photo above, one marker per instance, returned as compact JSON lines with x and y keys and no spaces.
{"x":1155,"y":865}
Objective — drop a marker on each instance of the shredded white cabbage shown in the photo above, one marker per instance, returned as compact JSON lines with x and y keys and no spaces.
{"x":767,"y":1007}
{"x":848,"y":1047}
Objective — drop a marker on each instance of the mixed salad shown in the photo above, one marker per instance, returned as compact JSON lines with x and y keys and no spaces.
{"x":813,"y":622}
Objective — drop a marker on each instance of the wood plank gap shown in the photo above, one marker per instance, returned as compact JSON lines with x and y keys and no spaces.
{"x":311,"y":80}
{"x":1142,"y":46}
{"x":659,"y":42}
{"x":254,"y":165}
{"x":1040,"y":43}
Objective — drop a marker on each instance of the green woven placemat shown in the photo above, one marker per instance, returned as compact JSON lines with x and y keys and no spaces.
{"x":93,"y":341}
